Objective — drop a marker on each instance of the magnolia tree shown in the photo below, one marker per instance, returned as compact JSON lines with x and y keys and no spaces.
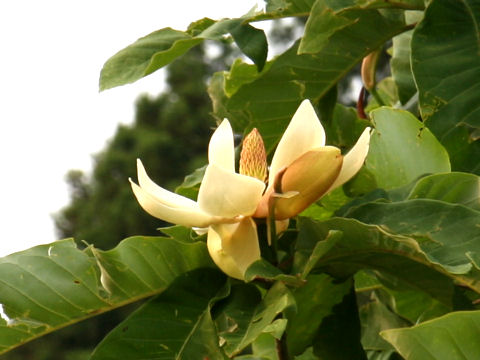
{"x":365,"y":248}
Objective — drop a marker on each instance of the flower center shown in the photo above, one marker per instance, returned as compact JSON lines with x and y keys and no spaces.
{"x":253,"y":158}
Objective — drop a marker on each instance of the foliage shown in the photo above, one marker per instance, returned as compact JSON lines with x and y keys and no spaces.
{"x":386,"y":267}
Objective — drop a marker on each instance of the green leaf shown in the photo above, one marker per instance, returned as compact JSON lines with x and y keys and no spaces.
{"x":375,"y":4}
{"x":265,"y":271}
{"x":412,"y":305}
{"x":451,"y":337}
{"x":376,"y":317}
{"x":345,"y":127}
{"x":365,"y":246}
{"x":269,"y":100}
{"x":402,"y":149}
{"x":330,"y":16}
{"x":252,"y":42}
{"x":174,"y":325}
{"x":340,"y":330}
{"x":322,"y":23}
{"x":145,"y":56}
{"x":289,"y":7}
{"x":400,"y":62}
{"x":446,"y":232}
{"x":242,"y":318}
{"x":312,"y":306}
{"x":191,"y":184}
{"x":54,"y":285}
{"x":455,"y":188}
{"x":445,"y":58}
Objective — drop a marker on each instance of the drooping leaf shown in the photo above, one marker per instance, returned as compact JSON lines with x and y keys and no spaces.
{"x":174,"y":325}
{"x":402,"y":149}
{"x":451,"y":337}
{"x":445,"y":58}
{"x":50,"y":286}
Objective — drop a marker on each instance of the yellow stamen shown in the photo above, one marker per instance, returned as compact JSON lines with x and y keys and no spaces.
{"x":253,"y":158}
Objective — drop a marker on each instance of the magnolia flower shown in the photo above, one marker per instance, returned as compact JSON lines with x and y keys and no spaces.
{"x":226,"y":201}
{"x":302,"y":170}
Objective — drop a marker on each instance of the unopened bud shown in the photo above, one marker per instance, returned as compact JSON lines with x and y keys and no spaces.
{"x":369,"y":68}
{"x":253,"y":158}
{"x":311,"y":175}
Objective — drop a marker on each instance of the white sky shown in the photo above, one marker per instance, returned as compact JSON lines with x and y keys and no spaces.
{"x":52,"y":116}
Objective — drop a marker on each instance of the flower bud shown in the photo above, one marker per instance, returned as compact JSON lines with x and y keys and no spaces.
{"x":369,"y":67}
{"x":311,"y":175}
{"x":253,"y":158}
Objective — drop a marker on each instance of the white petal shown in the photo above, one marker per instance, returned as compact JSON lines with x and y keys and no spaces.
{"x":166,"y":197}
{"x":221,"y":151}
{"x":226,"y":194}
{"x":304,"y":133}
{"x":353,"y":160}
{"x":186,"y":216}
{"x":234,"y":247}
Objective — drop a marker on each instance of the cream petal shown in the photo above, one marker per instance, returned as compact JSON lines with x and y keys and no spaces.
{"x":166,"y":197}
{"x":226,"y":194}
{"x":304,"y":133}
{"x":353,"y":160}
{"x":234,"y":247}
{"x":221,"y":150}
{"x":186,"y":216}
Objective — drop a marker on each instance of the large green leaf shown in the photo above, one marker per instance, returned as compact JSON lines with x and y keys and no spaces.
{"x":174,"y":325}
{"x":402,"y":149}
{"x":54,"y":285}
{"x":448,"y":233}
{"x":363,"y":246}
{"x":268,"y":100}
{"x":451,"y":337}
{"x":455,"y":188}
{"x":445,"y":63}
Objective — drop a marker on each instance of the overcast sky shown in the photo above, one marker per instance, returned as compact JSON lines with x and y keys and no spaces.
{"x":52,"y":116}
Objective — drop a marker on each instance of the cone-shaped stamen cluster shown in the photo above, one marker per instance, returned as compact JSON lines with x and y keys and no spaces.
{"x":253,"y":158}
